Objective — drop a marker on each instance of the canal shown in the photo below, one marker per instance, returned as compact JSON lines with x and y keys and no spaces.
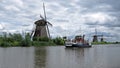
{"x":99,"y":56}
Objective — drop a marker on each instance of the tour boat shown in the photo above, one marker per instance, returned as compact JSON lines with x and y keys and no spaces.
{"x":79,"y":41}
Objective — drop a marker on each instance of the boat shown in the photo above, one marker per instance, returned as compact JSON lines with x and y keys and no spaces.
{"x":79,"y":41}
{"x":68,"y":43}
{"x":80,"y":45}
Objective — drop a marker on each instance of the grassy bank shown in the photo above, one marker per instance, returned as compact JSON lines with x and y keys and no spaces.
{"x":17,"y":40}
{"x":97,"y":43}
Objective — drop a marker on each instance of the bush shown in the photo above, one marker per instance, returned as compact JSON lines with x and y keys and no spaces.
{"x":15,"y":40}
{"x":18,"y":40}
{"x":5,"y":44}
{"x":41,"y":39}
{"x":15,"y":43}
{"x":59,"y":41}
{"x":26,"y":41}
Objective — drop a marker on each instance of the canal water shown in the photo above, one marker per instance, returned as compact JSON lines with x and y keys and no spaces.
{"x":99,"y":56}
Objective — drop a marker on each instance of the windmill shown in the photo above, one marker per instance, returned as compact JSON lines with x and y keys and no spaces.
{"x":95,"y":37}
{"x":41,"y":26}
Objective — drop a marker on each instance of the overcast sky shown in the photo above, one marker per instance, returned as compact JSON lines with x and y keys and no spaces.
{"x":69,"y":17}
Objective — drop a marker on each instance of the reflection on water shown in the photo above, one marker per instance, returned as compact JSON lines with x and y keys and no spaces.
{"x":61,"y":57}
{"x":101,"y":56}
{"x":40,"y":57}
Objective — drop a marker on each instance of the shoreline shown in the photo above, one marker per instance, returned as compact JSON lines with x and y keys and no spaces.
{"x":97,"y":43}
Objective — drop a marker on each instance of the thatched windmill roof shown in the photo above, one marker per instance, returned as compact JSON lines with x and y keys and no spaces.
{"x":40,"y":22}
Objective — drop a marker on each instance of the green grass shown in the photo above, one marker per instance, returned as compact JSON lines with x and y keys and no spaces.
{"x":97,"y":43}
{"x":42,"y":43}
{"x":15,"y":40}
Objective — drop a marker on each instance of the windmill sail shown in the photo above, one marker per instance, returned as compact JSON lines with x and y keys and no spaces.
{"x":33,"y":31}
{"x":48,"y":32}
{"x":44,"y":11}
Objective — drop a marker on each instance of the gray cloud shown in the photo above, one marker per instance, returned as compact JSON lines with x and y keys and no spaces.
{"x":66,"y":16}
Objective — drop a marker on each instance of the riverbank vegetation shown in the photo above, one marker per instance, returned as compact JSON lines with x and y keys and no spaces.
{"x":97,"y":43}
{"x":16,"y":40}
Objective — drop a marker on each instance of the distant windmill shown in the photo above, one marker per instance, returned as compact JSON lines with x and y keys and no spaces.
{"x":41,"y":26}
{"x":95,"y":37}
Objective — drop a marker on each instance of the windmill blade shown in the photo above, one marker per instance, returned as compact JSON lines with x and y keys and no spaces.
{"x":45,"y":15}
{"x":95,"y":31}
{"x":46,"y":21}
{"x":48,"y":31}
{"x":41,"y":16}
{"x":33,"y":31}
{"x":49,"y":23}
{"x":44,"y":11}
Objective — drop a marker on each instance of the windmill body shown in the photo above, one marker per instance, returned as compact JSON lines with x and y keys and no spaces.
{"x":95,"y":38}
{"x":40,"y":30}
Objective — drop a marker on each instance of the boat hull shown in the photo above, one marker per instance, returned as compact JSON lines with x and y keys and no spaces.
{"x":79,"y":45}
{"x":83,"y":45}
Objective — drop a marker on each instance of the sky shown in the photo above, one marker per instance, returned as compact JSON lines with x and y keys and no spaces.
{"x":68,"y":17}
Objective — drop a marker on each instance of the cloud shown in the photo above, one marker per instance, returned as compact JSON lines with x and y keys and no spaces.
{"x":67,"y":16}
{"x":99,"y":18}
{"x":11,"y":7}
